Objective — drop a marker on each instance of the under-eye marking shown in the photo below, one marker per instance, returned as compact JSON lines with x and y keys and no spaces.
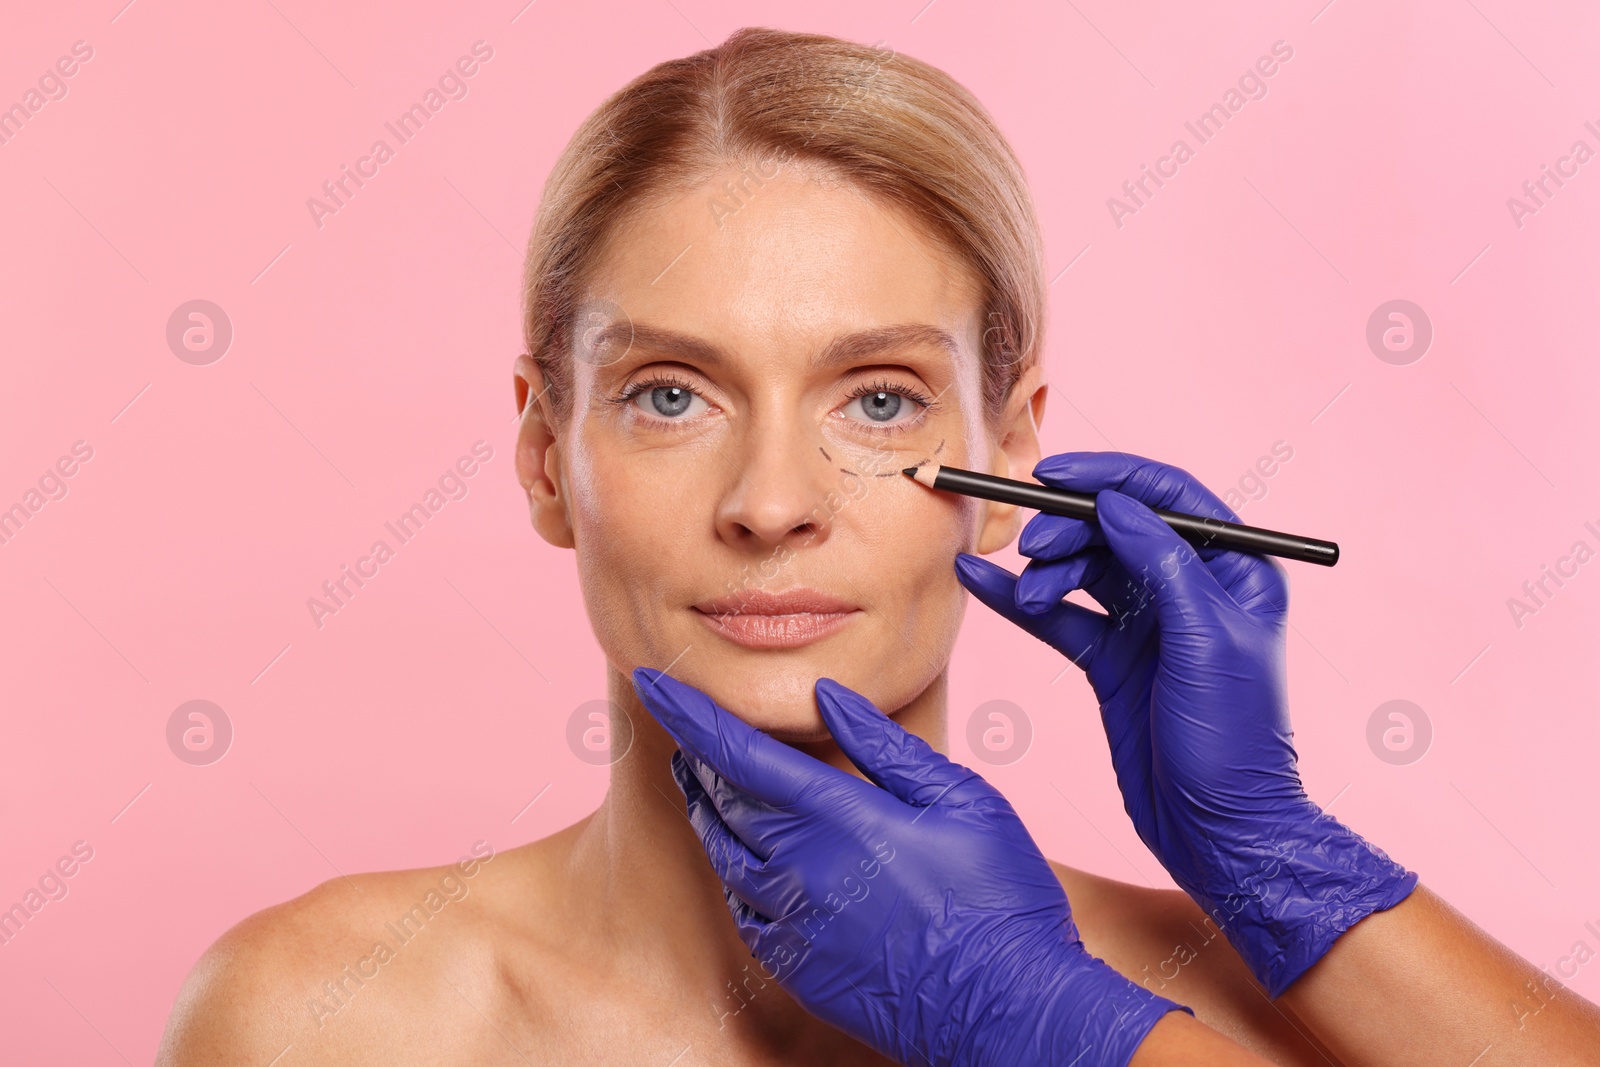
{"x":824,"y":452}
{"x":894,"y":474}
{"x":939,"y":449}
{"x":918,"y":463}
{"x":846,"y":470}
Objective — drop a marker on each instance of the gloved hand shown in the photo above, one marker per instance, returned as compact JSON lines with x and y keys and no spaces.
{"x":1188,"y":668}
{"x":915,"y":913}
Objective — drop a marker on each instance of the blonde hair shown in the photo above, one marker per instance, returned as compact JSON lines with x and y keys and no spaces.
{"x":894,"y":126}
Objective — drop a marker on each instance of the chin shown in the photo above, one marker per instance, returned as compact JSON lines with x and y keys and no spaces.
{"x":797,"y":729}
{"x":774,"y":693}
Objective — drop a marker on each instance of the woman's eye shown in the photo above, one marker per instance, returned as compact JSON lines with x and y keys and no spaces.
{"x":666,"y":401}
{"x":883,"y":407}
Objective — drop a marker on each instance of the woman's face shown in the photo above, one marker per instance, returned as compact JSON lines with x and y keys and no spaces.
{"x":750,"y":375}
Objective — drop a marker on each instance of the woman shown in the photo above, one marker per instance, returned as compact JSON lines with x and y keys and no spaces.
{"x":763,"y":280}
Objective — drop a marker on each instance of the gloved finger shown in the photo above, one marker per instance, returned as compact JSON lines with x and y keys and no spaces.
{"x":892,"y":758}
{"x":1254,"y":581}
{"x":765,"y":768}
{"x":742,"y":872}
{"x":782,"y":946}
{"x":1156,"y":485}
{"x":1127,"y":728}
{"x":1071,"y":629}
{"x":1043,"y":583}
{"x":745,"y":920}
{"x":1164,"y":567}
{"x":1054,"y":536}
{"x":765,"y":829}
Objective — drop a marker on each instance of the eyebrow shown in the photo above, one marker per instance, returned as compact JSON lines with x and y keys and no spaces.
{"x":841,"y":351}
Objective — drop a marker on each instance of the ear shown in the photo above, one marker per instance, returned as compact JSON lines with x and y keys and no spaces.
{"x":539,"y":456}
{"x":1015,"y":453}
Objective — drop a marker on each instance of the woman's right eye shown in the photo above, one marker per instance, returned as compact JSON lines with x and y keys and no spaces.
{"x":667,"y":401}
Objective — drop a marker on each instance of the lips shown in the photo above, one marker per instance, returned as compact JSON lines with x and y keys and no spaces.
{"x":788,"y":602}
{"x":759,"y":619}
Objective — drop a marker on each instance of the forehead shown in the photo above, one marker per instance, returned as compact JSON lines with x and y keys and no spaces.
{"x":770,"y":260}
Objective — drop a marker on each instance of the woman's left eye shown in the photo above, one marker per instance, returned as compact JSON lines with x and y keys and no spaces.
{"x":888,"y":407}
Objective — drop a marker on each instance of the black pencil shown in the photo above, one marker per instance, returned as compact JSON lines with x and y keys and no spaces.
{"x":1199,"y":530}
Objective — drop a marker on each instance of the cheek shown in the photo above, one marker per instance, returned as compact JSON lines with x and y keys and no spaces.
{"x":624,"y":510}
{"x":928,"y":534}
{"x":894,"y":510}
{"x":622,"y":541}
{"x":588,"y":489}
{"x":913,"y":531}
{"x":620,"y":499}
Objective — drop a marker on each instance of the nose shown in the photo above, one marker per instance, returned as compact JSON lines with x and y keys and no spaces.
{"x":783,"y":488}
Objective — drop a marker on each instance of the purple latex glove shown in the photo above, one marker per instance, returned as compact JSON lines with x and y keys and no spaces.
{"x":1188,"y":667}
{"x":914,"y":912}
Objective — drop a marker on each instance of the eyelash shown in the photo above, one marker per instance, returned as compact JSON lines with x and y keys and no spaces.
{"x":668,"y":380}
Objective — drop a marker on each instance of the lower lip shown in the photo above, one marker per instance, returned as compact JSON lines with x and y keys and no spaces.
{"x":777,"y":631}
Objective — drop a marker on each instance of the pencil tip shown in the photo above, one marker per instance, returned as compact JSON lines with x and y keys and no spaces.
{"x":912,"y":471}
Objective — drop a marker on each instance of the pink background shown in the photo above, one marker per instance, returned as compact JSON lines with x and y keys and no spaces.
{"x":1228,"y":314}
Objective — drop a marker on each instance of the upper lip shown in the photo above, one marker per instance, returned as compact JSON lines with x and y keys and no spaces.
{"x":789,"y":602}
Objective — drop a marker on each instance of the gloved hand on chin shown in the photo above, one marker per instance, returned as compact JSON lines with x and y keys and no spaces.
{"x":914,"y":911}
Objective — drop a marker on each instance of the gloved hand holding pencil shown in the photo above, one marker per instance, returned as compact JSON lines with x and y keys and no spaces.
{"x":1187,"y":663}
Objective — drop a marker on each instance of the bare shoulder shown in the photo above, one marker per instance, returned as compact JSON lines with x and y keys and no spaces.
{"x":363,"y":966}
{"x":1163,"y":940}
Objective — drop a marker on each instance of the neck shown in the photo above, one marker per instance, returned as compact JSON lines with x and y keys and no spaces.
{"x":664,"y":907}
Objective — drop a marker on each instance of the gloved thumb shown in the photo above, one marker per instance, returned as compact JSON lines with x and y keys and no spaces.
{"x":892,"y":758}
